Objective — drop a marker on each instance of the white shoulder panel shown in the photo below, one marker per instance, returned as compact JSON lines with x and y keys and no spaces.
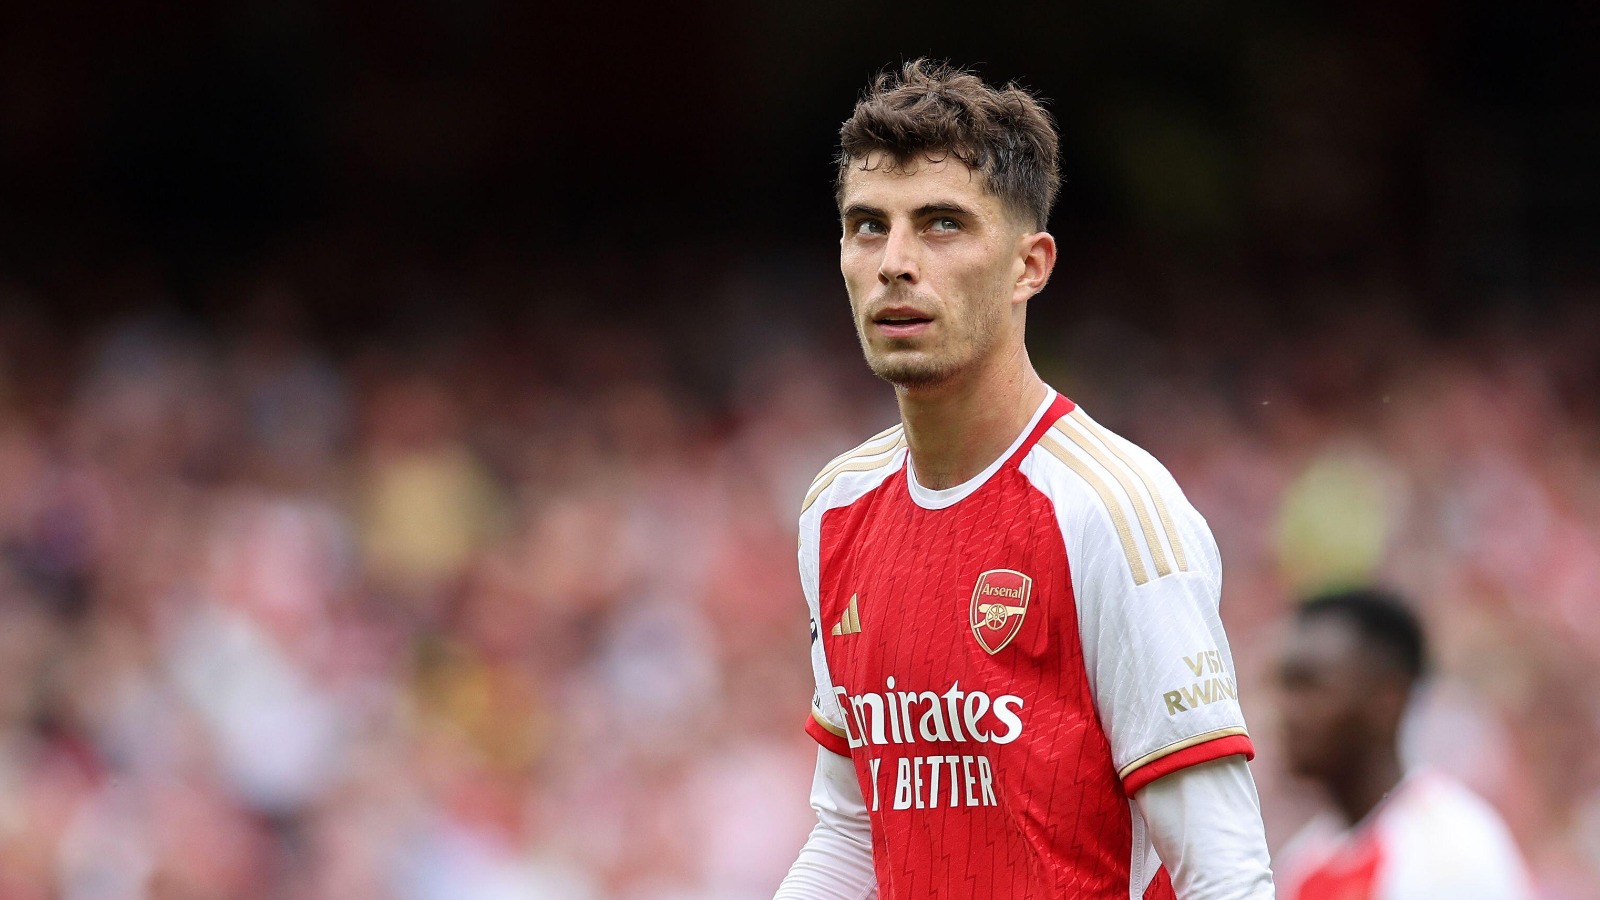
{"x":1146,"y":580}
{"x":1442,"y":840}
{"x":843,"y":481}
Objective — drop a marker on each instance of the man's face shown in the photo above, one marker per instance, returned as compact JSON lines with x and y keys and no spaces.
{"x":1335,"y":698}
{"x":932,"y":263}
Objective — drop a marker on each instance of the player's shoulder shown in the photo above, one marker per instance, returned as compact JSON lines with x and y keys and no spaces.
{"x":1306,"y":849}
{"x":1449,"y":841}
{"x":1082,"y":450}
{"x":1434,"y":801}
{"x":1099,"y":479}
{"x":870,"y":460}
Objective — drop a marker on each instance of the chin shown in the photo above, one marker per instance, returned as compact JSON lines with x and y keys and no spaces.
{"x":1307,"y":769}
{"x":910,"y":373}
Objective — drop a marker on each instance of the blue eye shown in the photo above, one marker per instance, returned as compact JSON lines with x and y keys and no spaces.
{"x":945,"y":223}
{"x":869,"y":226}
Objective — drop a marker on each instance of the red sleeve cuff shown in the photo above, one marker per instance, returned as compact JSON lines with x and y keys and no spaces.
{"x":1216,"y":748}
{"x":826,"y":736}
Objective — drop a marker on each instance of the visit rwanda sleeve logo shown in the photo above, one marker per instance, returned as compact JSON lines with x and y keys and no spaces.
{"x":999,"y":601}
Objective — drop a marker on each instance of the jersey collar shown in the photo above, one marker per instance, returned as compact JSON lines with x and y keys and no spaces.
{"x":928,"y":498}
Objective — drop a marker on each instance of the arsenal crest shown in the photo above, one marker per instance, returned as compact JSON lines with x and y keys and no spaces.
{"x":999,"y":601}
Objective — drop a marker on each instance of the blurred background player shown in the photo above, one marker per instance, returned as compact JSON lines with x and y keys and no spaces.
{"x":1348,"y":673}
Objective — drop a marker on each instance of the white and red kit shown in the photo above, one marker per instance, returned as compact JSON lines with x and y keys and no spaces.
{"x":1008,"y":661}
{"x":1430,"y":838}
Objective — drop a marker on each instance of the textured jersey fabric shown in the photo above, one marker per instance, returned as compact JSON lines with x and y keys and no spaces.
{"x":1430,"y":838}
{"x":1007,"y":661}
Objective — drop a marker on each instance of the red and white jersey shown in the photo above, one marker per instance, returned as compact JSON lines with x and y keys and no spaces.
{"x":1430,"y":838}
{"x":1007,"y":661}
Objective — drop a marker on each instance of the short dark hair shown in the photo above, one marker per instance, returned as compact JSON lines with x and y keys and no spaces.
{"x":937,"y":109}
{"x":1383,"y":621}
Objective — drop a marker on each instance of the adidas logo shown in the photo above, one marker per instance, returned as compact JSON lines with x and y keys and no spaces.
{"x":850,"y":622}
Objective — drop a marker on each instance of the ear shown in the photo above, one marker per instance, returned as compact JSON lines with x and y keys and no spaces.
{"x":1036,"y":259}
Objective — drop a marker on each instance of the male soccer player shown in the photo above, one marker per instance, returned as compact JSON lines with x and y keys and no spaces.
{"x":1347,"y":676}
{"x":1023,"y":686}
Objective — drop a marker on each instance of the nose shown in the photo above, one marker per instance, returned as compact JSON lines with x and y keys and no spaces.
{"x":900,"y":262}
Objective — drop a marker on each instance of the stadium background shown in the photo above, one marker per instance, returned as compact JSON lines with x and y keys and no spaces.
{"x":404,"y":408}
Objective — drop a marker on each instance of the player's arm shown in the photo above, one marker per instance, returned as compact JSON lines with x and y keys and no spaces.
{"x":1163,"y":682}
{"x":836,"y":861}
{"x":1205,"y":823}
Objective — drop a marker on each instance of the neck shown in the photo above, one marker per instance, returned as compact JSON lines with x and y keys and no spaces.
{"x":955,"y":429}
{"x":1362,"y":787}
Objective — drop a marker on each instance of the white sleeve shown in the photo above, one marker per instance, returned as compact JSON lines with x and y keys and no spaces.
{"x":836,"y":861}
{"x":826,"y":723}
{"x":1205,"y":823}
{"x":1146,"y":578}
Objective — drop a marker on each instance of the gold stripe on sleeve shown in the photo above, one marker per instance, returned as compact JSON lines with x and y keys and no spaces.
{"x":836,"y":732}
{"x":1118,"y":519}
{"x":861,"y":465}
{"x":1160,"y":558}
{"x":867,"y":447}
{"x":1174,"y":747}
{"x":1094,"y":428}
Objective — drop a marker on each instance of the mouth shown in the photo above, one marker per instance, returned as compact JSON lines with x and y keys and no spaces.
{"x":901,"y":322}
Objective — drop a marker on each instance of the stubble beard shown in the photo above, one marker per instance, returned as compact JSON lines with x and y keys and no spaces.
{"x":929,"y":369}
{"x":914,"y":372}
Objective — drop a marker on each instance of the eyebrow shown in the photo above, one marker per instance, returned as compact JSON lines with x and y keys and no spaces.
{"x":857,"y":210}
{"x":933,"y":209}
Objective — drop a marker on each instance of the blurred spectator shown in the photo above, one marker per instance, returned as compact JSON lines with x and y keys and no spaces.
{"x":277,"y":620}
{"x":404,"y":410}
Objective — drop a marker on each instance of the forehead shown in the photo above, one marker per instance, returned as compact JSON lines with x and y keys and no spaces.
{"x":1323,"y":643}
{"x":881,"y":181}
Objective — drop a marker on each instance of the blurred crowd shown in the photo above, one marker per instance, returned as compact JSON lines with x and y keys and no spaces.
{"x":513,"y":615}
{"x":472,"y":604}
